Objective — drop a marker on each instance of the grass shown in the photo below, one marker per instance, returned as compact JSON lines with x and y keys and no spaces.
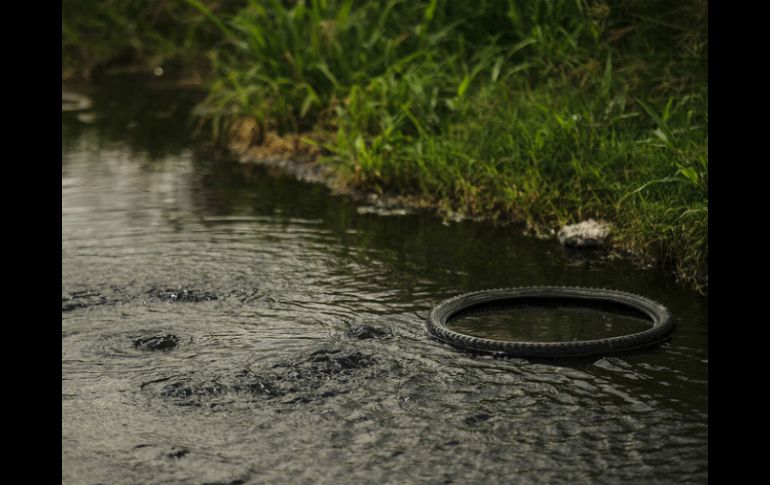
{"x":545,"y":112}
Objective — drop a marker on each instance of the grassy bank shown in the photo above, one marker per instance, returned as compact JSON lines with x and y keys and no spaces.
{"x":546,"y":112}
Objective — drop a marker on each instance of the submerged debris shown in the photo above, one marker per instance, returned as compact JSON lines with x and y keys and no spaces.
{"x":585,"y":234}
{"x":164,"y":341}
{"x":333,"y":362}
{"x":308,"y":378}
{"x":366,"y":332}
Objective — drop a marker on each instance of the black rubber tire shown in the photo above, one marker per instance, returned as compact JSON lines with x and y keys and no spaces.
{"x":660,"y":316}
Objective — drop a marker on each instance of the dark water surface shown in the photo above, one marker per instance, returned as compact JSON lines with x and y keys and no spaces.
{"x":548,"y":322}
{"x":212,"y":320}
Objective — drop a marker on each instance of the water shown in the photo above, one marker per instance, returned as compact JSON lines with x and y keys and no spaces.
{"x":214,"y":330}
{"x":548,"y":322}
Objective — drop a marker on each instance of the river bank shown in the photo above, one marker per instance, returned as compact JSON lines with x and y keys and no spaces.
{"x":540,"y":114}
{"x":301,"y":157}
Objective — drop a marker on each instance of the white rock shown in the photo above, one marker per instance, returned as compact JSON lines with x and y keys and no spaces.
{"x":588,"y":233}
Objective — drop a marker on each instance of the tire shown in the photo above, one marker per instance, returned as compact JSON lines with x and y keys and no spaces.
{"x":660,"y":316}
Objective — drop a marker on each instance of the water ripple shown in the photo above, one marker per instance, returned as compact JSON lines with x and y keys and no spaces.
{"x":256,"y":328}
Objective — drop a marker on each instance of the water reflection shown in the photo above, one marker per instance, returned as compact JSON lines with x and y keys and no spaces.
{"x":544,"y":322}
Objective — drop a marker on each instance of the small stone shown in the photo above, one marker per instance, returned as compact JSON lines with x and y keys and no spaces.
{"x":585,"y":234}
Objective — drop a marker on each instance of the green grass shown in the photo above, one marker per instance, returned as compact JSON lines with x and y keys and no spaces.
{"x":546,"y":112}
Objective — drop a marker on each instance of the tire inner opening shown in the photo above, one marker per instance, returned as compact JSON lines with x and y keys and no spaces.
{"x":549,"y":320}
